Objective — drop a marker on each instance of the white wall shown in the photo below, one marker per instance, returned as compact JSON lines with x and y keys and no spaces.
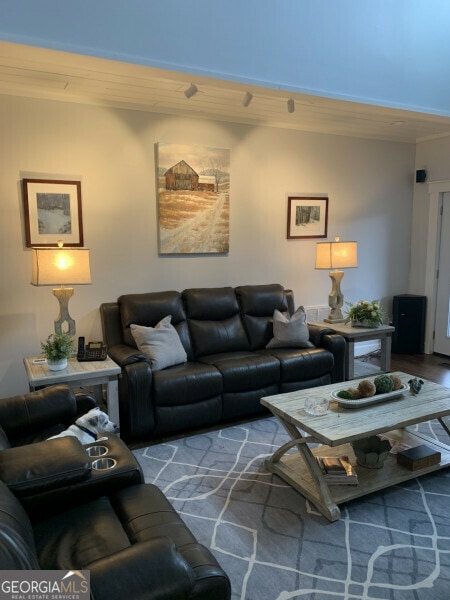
{"x":369,"y":184}
{"x":431,"y":155}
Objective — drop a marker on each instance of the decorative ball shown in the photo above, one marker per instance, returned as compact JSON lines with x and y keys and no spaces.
{"x":366,"y":388}
{"x":344,"y":394}
{"x":355,"y":393}
{"x":396,"y":381}
{"x":383,"y":384}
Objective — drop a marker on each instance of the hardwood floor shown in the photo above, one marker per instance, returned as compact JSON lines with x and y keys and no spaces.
{"x":434,"y":367}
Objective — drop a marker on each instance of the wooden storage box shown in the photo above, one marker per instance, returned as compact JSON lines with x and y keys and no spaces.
{"x":418,"y":457}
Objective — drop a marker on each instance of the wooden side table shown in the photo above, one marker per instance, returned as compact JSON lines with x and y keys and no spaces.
{"x":104,"y":372}
{"x":362,"y":334}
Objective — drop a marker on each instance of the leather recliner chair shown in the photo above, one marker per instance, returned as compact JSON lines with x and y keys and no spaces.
{"x":132,"y":541}
{"x":57,"y":512}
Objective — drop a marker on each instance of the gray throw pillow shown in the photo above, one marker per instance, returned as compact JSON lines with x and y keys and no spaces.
{"x":290,"y":333}
{"x":161,"y":344}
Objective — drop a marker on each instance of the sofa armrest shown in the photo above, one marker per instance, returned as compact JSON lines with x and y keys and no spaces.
{"x":125,"y":473}
{"x":35,"y":468}
{"x":125,"y":355}
{"x":153,"y":568}
{"x":324,"y":337}
{"x":135,"y":391}
{"x":137,"y":415}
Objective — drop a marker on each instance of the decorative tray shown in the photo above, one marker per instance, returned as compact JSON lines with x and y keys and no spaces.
{"x":346,"y":403}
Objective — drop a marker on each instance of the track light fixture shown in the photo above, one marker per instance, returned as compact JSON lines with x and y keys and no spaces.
{"x":191,"y":91}
{"x":290,"y":105}
{"x":247,"y":99}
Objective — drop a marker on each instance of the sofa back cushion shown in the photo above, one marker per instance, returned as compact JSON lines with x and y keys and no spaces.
{"x":257,"y":304}
{"x":149,"y":309}
{"x":29,"y":415}
{"x":214,"y":321}
{"x":17,"y":549}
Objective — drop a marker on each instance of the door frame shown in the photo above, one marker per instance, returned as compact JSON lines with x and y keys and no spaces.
{"x":436,"y":189}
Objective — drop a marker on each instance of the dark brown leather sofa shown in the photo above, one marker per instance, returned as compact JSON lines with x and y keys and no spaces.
{"x":57,"y":512}
{"x":225,"y":332}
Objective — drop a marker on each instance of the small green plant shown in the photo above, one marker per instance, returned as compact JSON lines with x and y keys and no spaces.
{"x":57,"y":346}
{"x":364,"y":311}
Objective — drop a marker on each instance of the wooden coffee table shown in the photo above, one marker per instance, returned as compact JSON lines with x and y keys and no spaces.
{"x":340,"y":426}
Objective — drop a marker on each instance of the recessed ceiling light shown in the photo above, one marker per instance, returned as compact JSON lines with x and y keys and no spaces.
{"x":247,"y":99}
{"x":191,"y":91}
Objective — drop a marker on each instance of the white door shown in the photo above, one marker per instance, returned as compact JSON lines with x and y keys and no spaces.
{"x":442,"y":322}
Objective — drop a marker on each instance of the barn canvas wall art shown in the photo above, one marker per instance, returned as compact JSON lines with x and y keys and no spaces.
{"x":193,"y":199}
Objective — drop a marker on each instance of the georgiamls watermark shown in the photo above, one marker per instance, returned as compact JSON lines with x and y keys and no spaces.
{"x":44,"y":585}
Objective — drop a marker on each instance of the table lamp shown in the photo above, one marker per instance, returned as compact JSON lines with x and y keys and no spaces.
{"x":336,"y":255}
{"x":61,"y":266}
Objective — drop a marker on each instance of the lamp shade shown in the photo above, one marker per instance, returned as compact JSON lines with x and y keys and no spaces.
{"x":336,"y":255}
{"x":60,"y":266}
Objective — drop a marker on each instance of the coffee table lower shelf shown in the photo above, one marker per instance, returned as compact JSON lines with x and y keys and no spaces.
{"x":326,"y":498}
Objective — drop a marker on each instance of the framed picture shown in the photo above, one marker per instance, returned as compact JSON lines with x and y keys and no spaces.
{"x":307,"y":217}
{"x":52,"y":210}
{"x":193,"y":199}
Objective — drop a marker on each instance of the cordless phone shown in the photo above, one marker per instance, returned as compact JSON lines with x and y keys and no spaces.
{"x":91,"y":351}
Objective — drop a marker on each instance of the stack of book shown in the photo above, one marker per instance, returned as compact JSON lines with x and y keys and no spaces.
{"x":337,"y":470}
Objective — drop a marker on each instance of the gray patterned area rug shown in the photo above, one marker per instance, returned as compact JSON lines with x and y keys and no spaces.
{"x":274,"y":545}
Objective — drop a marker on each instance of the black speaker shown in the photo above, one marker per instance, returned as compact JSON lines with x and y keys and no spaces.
{"x":409,"y":313}
{"x":421,"y":176}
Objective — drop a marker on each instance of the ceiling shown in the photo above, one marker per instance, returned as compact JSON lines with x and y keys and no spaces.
{"x":41,"y":73}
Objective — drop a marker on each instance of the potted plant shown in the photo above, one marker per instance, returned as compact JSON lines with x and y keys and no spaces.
{"x":57,"y":348}
{"x":365,"y":314}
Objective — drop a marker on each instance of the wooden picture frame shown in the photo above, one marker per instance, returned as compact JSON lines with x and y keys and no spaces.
{"x":52,"y":210}
{"x":307,"y":217}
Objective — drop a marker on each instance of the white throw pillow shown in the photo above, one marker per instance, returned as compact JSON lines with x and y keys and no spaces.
{"x":290,"y":333}
{"x":161,"y":344}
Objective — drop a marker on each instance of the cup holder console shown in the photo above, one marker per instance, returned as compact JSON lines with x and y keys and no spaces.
{"x":97,"y":450}
{"x":103,"y":464}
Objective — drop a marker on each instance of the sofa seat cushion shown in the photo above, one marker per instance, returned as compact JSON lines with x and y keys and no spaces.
{"x":106,"y":526}
{"x":187,"y":396}
{"x":245,"y":371}
{"x":300,"y":364}
{"x":80,"y":536}
{"x":186,"y":384}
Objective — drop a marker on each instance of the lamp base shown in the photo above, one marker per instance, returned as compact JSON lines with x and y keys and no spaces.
{"x":334,"y":320}
{"x":336,"y":298}
{"x":64,"y":294}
